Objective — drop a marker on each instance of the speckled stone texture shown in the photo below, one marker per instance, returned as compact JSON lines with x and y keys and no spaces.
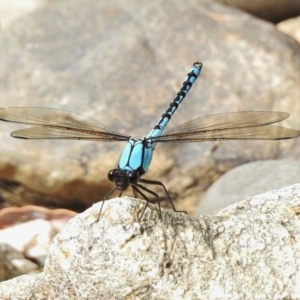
{"x":248,"y":251}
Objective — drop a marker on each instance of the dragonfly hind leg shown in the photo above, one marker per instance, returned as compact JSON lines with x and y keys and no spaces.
{"x":138,"y":191}
{"x":146,"y":198}
{"x":154,"y":182}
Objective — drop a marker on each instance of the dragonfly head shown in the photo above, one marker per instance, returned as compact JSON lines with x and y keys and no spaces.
{"x":123,"y":179}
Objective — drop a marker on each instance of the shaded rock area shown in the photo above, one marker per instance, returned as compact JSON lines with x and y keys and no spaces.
{"x":272,"y":10}
{"x":25,"y":236}
{"x":248,"y":180}
{"x":122,"y":64}
{"x":248,"y":251}
{"x":13,"y":263}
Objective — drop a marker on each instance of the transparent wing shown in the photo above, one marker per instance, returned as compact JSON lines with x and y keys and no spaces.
{"x":50,"y":123}
{"x":252,"y":125}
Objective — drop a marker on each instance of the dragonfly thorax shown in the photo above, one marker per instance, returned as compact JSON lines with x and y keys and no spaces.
{"x":123,"y":179}
{"x":136,"y":156}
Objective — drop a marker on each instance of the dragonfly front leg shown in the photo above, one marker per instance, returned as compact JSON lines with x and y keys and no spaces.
{"x":134,"y":192}
{"x":105,"y":198}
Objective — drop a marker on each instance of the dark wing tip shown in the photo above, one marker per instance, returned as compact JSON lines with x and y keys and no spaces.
{"x":15,"y":135}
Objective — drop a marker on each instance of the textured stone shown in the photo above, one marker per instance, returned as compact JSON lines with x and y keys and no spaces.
{"x":248,"y":251}
{"x":272,"y":10}
{"x":291,"y":27}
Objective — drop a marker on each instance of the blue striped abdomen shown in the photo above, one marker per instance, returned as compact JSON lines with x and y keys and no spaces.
{"x":165,"y":118}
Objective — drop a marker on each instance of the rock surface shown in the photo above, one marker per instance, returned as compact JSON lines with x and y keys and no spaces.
{"x":291,"y":27}
{"x":25,"y":236}
{"x":272,"y":10}
{"x":13,"y":263}
{"x":248,"y":251}
{"x":246,"y":181}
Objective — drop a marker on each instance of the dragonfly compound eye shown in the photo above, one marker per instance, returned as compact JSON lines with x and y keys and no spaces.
{"x":111,"y":174}
{"x":133,"y":177}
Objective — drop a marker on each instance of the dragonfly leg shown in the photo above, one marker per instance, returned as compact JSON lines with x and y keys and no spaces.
{"x":105,"y":198}
{"x":135,"y":193}
{"x":147,"y":181}
{"x":136,"y":190}
{"x":152,"y":193}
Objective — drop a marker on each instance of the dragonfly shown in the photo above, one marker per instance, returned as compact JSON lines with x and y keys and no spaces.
{"x":135,"y":159}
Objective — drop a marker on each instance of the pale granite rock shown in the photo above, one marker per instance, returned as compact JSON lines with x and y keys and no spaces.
{"x":249,"y":251}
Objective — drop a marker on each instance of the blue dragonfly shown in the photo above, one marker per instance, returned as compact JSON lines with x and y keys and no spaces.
{"x":135,"y":159}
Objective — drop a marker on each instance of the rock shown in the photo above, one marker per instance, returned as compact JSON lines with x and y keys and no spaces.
{"x":271,"y":10}
{"x":246,"y":181}
{"x":13,"y":263}
{"x":11,"y":11}
{"x":25,"y":235}
{"x":291,"y":27}
{"x":108,"y":62}
{"x":248,"y":251}
{"x":14,"y":215}
{"x":32,"y":239}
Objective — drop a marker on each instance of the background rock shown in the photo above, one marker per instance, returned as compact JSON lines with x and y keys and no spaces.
{"x":248,"y":180}
{"x":25,"y":236}
{"x":272,"y":10}
{"x":291,"y":27}
{"x":122,"y":64}
{"x":13,"y":263}
{"x":12,"y":10}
